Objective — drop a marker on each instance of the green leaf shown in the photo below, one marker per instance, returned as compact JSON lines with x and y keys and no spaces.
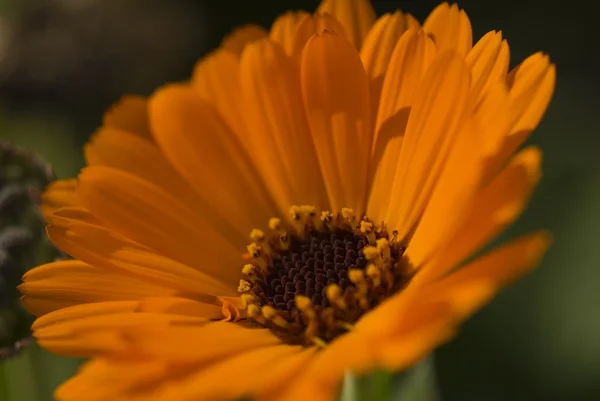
{"x":416,"y":384}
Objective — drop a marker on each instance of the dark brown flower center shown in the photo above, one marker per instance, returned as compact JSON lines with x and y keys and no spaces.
{"x":311,"y":281}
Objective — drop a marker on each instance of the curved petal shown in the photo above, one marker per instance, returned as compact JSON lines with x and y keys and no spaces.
{"x":121,"y":150}
{"x":377,"y":49}
{"x":229,"y":379}
{"x":203,"y":149}
{"x":450,"y":29}
{"x":73,"y":282}
{"x":128,"y":379}
{"x":452,"y":196}
{"x":278,"y":130}
{"x":409,"y":61}
{"x":531,"y":87}
{"x":216,"y":78}
{"x":495,"y":206}
{"x":59,"y":194}
{"x":357,"y":17}
{"x":153,"y":218}
{"x":283,"y":30}
{"x":237,"y":40}
{"x":473,"y":285}
{"x":310,"y":25}
{"x":436,"y":117}
{"x":412,"y":55}
{"x":129,"y":114}
{"x":413,"y":337}
{"x":199,"y":345}
{"x":103,"y":334}
{"x":488,"y":60}
{"x":336,"y":98}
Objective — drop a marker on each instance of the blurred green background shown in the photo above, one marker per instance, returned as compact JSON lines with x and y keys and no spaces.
{"x":63,"y":62}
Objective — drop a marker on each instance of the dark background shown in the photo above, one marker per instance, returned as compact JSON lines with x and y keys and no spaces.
{"x":63,"y":62}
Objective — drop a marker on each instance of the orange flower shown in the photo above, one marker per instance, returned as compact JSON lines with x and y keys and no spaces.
{"x":306,"y":205}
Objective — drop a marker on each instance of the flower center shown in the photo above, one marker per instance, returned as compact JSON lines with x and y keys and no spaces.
{"x":309,"y":282}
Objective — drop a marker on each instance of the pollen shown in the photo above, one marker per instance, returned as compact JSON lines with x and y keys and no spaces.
{"x":311,"y":280}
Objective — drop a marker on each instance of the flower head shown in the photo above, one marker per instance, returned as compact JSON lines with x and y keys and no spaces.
{"x":304,"y":206}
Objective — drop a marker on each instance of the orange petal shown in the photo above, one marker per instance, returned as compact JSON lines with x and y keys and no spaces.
{"x":277,"y":127}
{"x":103,"y":333}
{"x":127,"y":378}
{"x":59,"y":194}
{"x":488,"y":61}
{"x":495,"y":206}
{"x":310,"y":25}
{"x":73,"y":282}
{"x":357,"y":17}
{"x":216,"y":78}
{"x":180,"y":306}
{"x":468,"y":288}
{"x":450,"y":29}
{"x":377,"y":50}
{"x":84,"y":310}
{"x":198,"y":344}
{"x":452,"y":196}
{"x":129,"y":114}
{"x":412,"y":56}
{"x":108,"y":250}
{"x":336,"y":98}
{"x":463,"y":174}
{"x":414,"y":337}
{"x":121,"y":150}
{"x":229,"y":379}
{"x":493,"y":118}
{"x":236,"y":41}
{"x":435,"y":119}
{"x":284,"y":29}
{"x":203,"y":149}
{"x":531,"y":88}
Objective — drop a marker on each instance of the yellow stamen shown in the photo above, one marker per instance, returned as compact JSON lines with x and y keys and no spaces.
{"x":356,"y":276}
{"x":274,"y":224}
{"x":248,"y":299}
{"x":295,"y":212}
{"x":367,"y":228}
{"x":326,"y":220}
{"x":249,"y":270}
{"x":318,"y":342}
{"x":349,"y":216}
{"x":371,"y":253}
{"x":346,"y":326}
{"x":328,"y":317}
{"x":257,"y":235}
{"x":256,"y":252}
{"x":335,"y":295}
{"x":326,"y":216}
{"x":311,"y":216}
{"x":297,"y":215}
{"x":284,"y":241}
{"x":254,"y":312}
{"x":374,"y":274}
{"x":271,"y":314}
{"x":308,"y":211}
{"x":244,"y":286}
{"x":305,"y":306}
{"x":383,"y":246}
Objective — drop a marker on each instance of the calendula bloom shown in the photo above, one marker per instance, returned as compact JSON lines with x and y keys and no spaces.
{"x":306,"y":205}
